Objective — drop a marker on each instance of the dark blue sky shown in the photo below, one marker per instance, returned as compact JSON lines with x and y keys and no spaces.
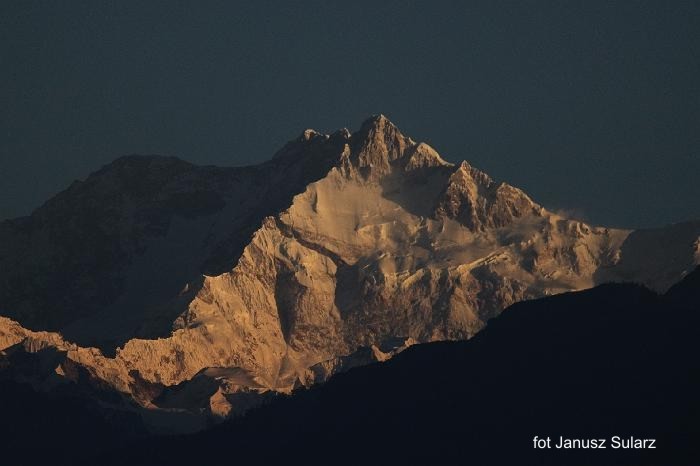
{"x":588,"y":106}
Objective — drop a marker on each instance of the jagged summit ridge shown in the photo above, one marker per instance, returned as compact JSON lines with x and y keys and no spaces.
{"x":377,"y":145}
{"x":373,"y":148}
{"x":372,"y":152}
{"x":476,"y":201}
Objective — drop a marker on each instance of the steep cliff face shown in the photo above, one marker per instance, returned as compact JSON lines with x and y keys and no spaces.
{"x":477,"y":202}
{"x":208,"y":287}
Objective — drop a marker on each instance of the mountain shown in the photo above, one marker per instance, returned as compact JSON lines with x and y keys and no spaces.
{"x":186,"y":294}
{"x":591,"y":364}
{"x":616,"y":360}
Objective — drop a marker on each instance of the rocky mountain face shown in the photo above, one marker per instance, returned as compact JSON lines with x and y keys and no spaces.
{"x":452,"y":402}
{"x":535,"y":366}
{"x":187,"y":294}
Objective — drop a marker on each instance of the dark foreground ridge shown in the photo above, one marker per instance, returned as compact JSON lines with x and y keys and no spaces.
{"x":617,"y":360}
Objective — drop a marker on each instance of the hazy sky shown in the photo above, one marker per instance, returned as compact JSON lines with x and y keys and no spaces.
{"x":593,"y":107}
